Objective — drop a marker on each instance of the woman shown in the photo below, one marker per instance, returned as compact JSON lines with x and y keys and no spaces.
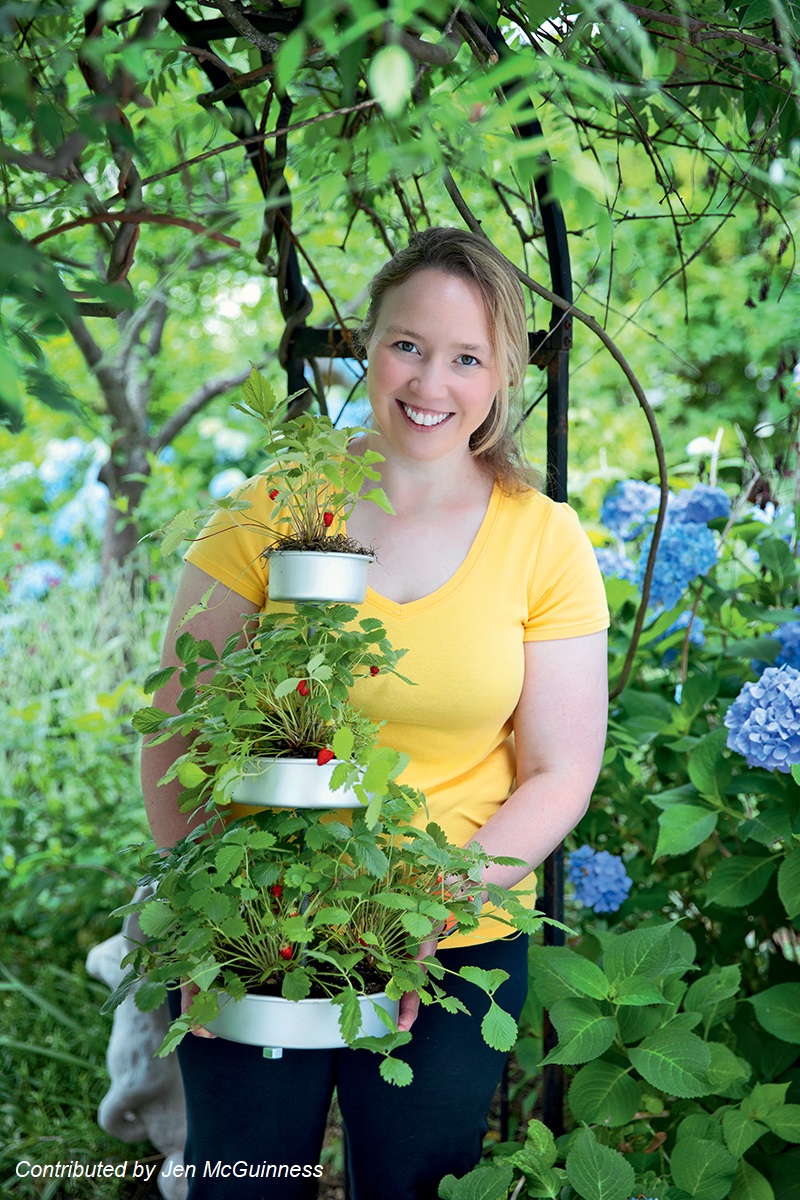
{"x":494,"y":591}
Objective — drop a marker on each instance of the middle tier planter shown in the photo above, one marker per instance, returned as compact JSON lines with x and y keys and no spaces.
{"x":318,"y":575}
{"x":291,"y":783}
{"x":283,"y":1024}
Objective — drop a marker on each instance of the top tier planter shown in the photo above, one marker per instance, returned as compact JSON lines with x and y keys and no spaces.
{"x":318,"y":575}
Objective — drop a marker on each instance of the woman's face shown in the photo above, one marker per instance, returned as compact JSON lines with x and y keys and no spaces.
{"x":431,"y":377}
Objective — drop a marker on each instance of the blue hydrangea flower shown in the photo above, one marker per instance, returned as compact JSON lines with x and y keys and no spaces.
{"x":780,"y":517}
{"x":788,"y":635}
{"x":35,"y":581}
{"x":764,"y":720}
{"x":599,"y":878}
{"x":629,"y":507}
{"x":230,"y":445}
{"x":685,"y":551}
{"x":699,"y":505}
{"x":84,"y":513}
{"x":86,"y":578}
{"x":17,"y":473}
{"x":225,"y":481}
{"x":615,"y":565}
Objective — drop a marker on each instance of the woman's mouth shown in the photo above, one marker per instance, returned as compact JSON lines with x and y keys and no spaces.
{"x":422,"y":418}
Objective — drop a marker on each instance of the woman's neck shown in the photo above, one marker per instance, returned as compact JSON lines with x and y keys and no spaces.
{"x":411,"y":484}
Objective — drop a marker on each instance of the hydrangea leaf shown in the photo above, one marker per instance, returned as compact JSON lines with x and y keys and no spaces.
{"x":674,"y":1061}
{"x":682,"y":828}
{"x":703,"y":1168}
{"x":727,"y":1071}
{"x":645,"y":952}
{"x":636,"y":991}
{"x":739,"y":880}
{"x":597,"y":1172}
{"x":785,"y":1121}
{"x":789,"y":883}
{"x":539,"y":1151}
{"x":484,"y":1183}
{"x":584,"y":1031}
{"x":708,"y":771}
{"x":778,"y":1011}
{"x":604,"y":1094}
{"x":558,"y":972}
{"x":750,"y":1184}
{"x":740,"y":1132}
{"x":764,"y":1100}
{"x":706,"y":994}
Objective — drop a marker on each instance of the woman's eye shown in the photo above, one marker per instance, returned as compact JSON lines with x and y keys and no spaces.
{"x":406,"y":347}
{"x":472,"y":360}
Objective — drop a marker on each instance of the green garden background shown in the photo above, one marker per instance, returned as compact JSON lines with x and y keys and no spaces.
{"x":143,"y":273}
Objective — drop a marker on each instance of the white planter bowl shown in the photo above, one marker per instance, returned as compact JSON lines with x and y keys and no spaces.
{"x":291,"y":783}
{"x":295,"y":1024}
{"x":318,"y":575}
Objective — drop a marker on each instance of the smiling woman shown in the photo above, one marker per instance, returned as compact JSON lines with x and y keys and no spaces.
{"x":422,"y":375}
{"x":494,"y":591}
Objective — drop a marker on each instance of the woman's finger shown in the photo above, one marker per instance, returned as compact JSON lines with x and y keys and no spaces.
{"x":188,"y":993}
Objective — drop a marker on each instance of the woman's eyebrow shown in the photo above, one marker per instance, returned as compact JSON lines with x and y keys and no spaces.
{"x":398,"y":331}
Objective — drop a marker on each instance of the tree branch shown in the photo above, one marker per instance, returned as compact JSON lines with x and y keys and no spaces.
{"x":240,"y":23}
{"x":196,"y":402}
{"x":701,"y":31}
{"x":137,"y":218}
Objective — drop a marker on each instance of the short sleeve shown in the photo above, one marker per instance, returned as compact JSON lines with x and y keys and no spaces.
{"x":566,"y":594}
{"x":229,"y":548}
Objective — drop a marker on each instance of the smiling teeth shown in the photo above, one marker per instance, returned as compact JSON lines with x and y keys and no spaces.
{"x":424,"y":418}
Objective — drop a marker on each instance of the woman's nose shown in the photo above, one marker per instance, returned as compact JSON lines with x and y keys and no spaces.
{"x":429,"y":381}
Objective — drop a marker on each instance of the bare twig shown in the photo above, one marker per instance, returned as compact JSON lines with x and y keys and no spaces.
{"x":196,"y":402}
{"x":702,"y":31}
{"x":137,"y":218}
{"x":265,"y":43}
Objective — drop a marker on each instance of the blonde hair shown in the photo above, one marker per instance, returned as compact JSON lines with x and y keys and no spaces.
{"x":472,"y":257}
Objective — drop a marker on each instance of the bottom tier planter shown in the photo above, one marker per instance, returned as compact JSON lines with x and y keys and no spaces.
{"x":291,"y":783}
{"x":279,"y":1024}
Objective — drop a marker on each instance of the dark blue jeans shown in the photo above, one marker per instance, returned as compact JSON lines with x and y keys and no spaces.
{"x":255,"y":1125}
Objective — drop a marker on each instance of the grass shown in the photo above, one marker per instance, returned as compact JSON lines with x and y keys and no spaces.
{"x":52,"y":1074}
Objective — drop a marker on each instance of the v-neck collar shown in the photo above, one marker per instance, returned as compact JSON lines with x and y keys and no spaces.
{"x":412,"y":607}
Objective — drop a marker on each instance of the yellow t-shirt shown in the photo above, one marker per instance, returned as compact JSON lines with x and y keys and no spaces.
{"x":530,"y":575}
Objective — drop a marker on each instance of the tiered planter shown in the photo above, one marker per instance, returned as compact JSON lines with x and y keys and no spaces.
{"x":271,"y":1021}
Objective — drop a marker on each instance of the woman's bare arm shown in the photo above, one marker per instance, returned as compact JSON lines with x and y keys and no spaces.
{"x":224,"y":614}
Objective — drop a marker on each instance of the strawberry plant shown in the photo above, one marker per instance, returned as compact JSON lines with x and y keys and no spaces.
{"x":283,"y":692}
{"x":315,"y":480}
{"x":295,"y":905}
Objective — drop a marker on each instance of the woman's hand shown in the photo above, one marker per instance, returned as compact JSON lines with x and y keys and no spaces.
{"x":409,"y":1001}
{"x":188,"y":993}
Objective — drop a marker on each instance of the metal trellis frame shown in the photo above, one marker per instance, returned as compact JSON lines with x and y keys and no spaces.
{"x":549,"y":350}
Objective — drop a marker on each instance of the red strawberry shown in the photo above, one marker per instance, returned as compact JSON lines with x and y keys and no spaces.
{"x":325,"y":755}
{"x":327,"y":519}
{"x":302,"y":687}
{"x":273,"y":495}
{"x":276,"y":890}
{"x":286,"y":952}
{"x":374,"y":671}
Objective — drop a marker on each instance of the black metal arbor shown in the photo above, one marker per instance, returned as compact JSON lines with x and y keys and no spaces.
{"x":302,"y":342}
